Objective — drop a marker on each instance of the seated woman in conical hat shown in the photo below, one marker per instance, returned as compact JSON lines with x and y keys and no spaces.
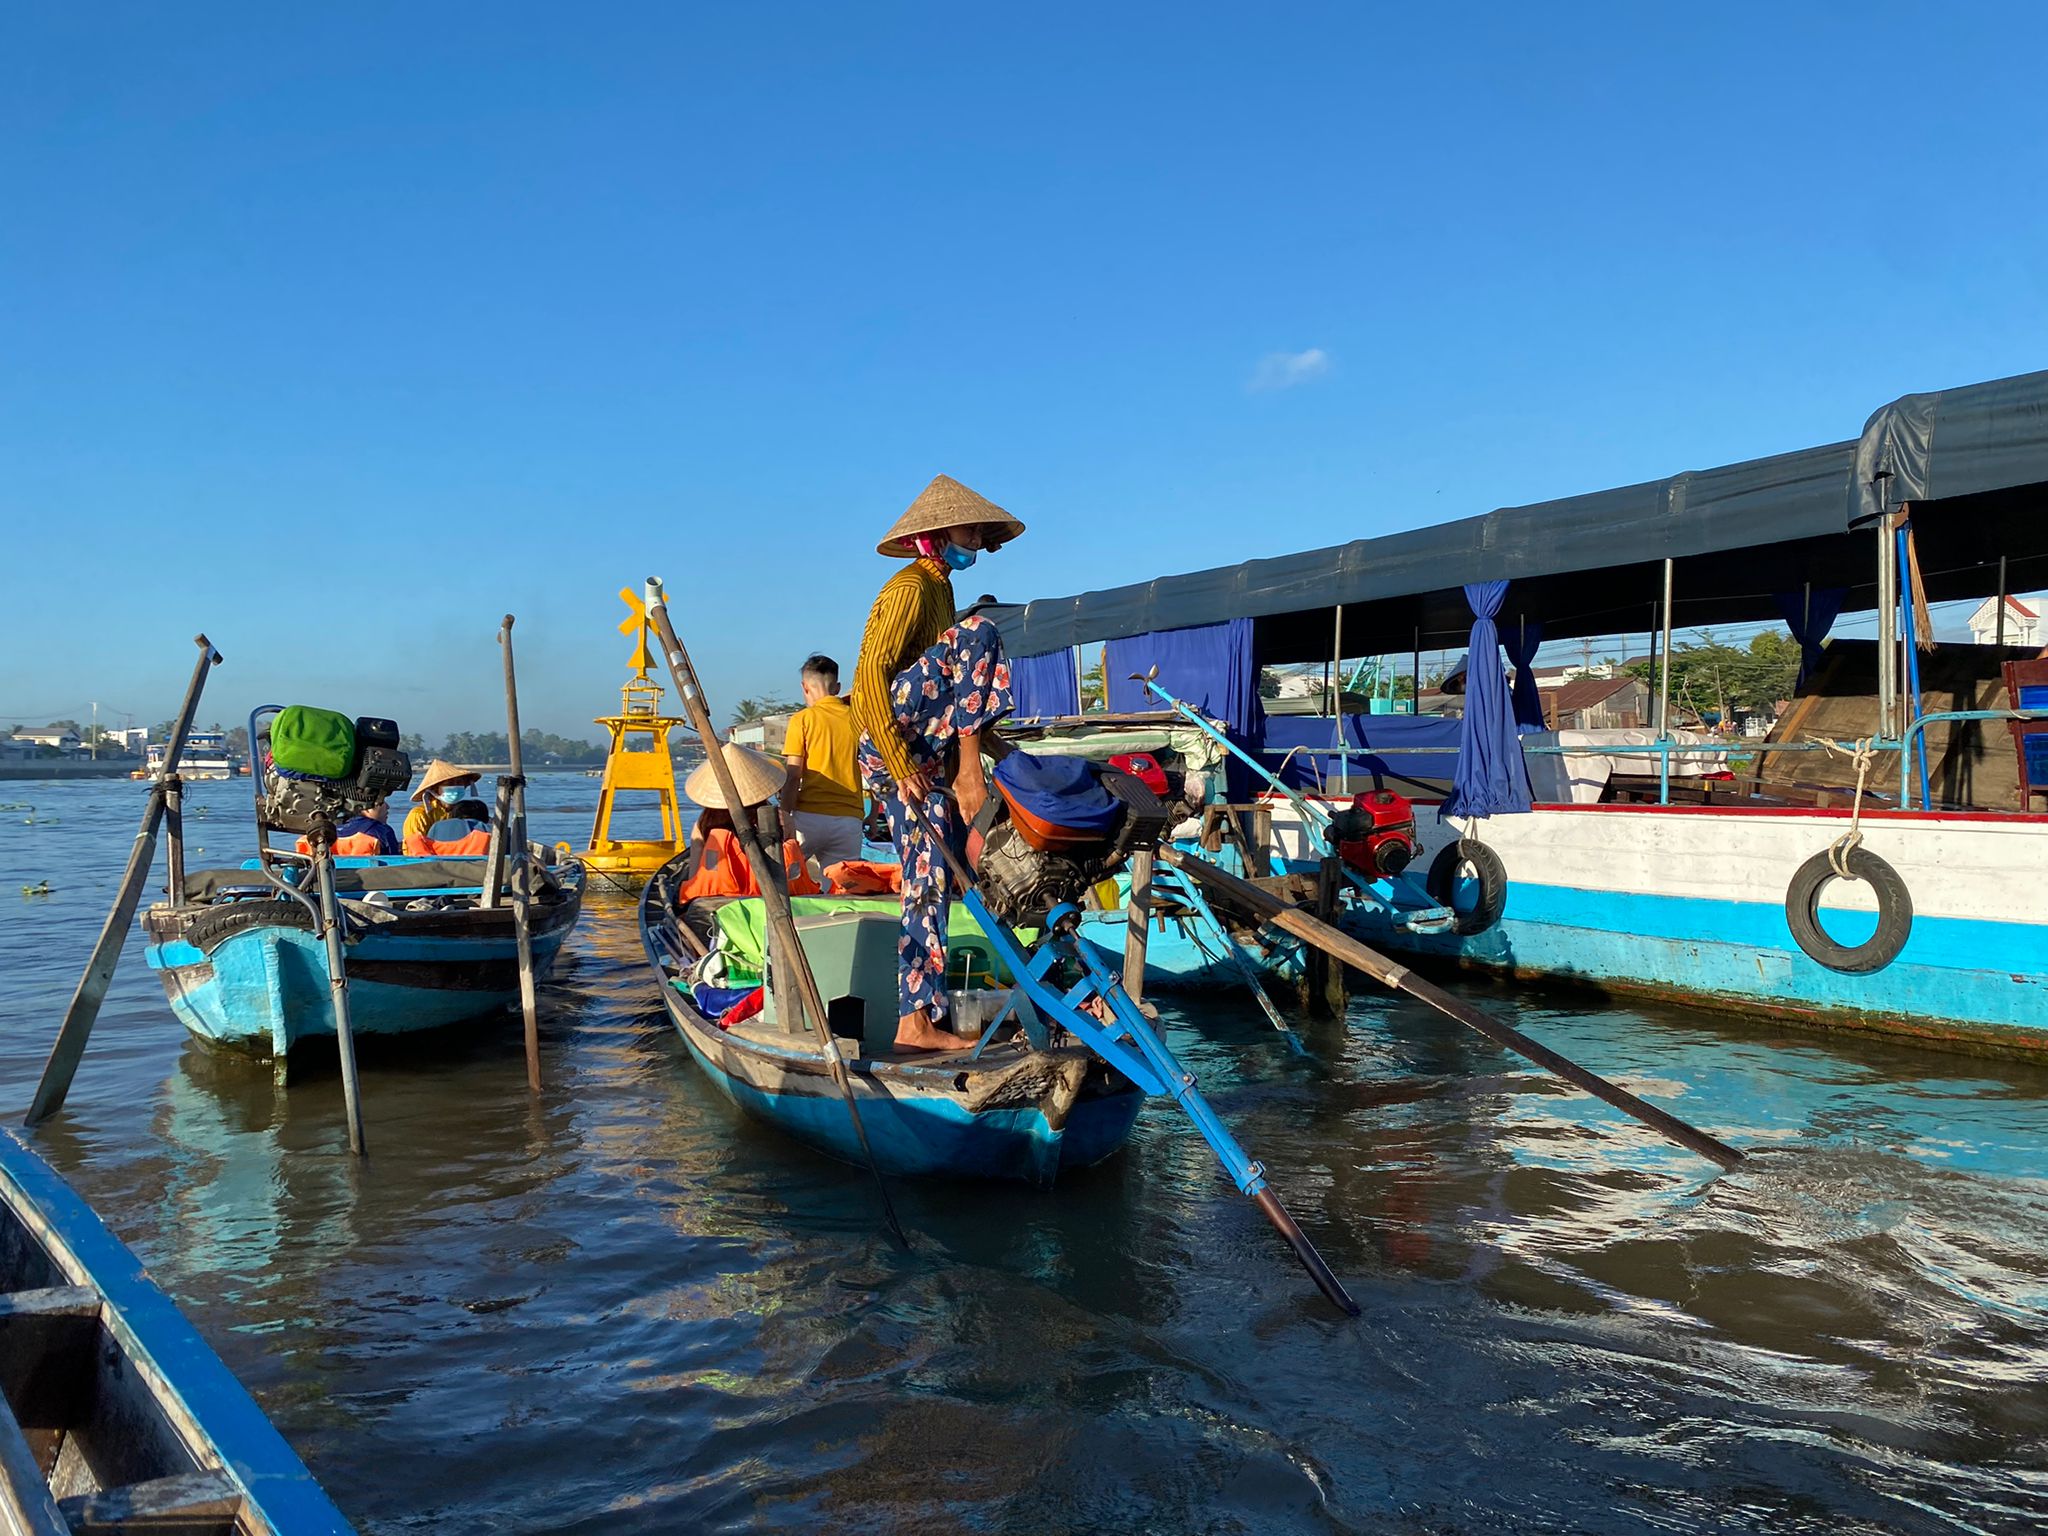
{"x":927,"y":692}
{"x":718,"y":863}
{"x":443,"y":786}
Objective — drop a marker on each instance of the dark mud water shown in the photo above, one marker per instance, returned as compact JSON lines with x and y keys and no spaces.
{"x":622,"y":1308}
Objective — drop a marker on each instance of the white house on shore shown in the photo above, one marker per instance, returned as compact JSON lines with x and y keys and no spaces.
{"x":2022,"y":623}
{"x":48,"y":736}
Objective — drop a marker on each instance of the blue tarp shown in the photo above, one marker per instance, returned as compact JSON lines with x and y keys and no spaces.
{"x":1312,"y":768}
{"x":1492,"y":777}
{"x":1044,"y":686}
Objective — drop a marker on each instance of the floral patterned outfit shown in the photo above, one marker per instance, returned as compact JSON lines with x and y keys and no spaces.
{"x":957,"y":687}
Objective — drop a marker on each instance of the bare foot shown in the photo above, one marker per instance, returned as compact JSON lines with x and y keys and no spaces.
{"x":916,"y":1032}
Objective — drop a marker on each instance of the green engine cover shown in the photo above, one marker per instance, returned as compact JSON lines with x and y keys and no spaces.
{"x":316,"y":741}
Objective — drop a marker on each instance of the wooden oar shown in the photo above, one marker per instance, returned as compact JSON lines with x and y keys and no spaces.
{"x":774,"y":900}
{"x":1342,"y":946}
{"x":106,"y":952}
{"x":522,"y":868}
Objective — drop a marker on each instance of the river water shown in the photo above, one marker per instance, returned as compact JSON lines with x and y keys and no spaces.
{"x":620,"y":1307}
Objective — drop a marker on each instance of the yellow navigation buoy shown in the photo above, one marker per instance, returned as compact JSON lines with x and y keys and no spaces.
{"x":637,"y":760}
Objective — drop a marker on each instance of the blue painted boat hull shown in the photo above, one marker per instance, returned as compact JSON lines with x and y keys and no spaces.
{"x":264,"y":988}
{"x":1012,"y":1114}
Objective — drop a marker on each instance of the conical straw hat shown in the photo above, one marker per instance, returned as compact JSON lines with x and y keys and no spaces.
{"x":440,"y":771}
{"x":755,"y":775}
{"x":943,"y":504}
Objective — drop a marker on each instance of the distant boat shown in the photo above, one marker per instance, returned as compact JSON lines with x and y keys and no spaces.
{"x":1009,"y":1112}
{"x":243,"y":966}
{"x":119,"y":1416}
{"x":205,"y":756}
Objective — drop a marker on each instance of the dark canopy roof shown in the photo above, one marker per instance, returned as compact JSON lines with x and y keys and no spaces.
{"x":1593,"y":564}
{"x":1953,"y":442}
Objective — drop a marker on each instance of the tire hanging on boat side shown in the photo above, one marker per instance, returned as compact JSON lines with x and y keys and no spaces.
{"x":1442,"y":884}
{"x":1894,"y":912}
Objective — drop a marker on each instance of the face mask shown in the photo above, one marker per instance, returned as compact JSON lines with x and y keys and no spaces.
{"x":451,"y":794}
{"x":959,"y":559}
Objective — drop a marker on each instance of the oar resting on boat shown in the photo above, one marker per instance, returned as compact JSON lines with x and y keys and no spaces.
{"x":1267,"y":907}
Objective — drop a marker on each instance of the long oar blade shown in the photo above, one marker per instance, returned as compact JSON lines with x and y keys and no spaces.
{"x":1340,"y":945}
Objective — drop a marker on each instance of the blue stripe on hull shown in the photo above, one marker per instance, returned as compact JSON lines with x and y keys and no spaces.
{"x":266,"y":989}
{"x":928,"y":1134}
{"x":1981,"y":976}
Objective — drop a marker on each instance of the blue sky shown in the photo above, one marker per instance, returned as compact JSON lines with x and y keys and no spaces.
{"x":341,"y":332}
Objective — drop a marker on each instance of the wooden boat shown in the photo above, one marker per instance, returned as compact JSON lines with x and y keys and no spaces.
{"x":1010,"y":1112}
{"x":243,"y":964}
{"x":116,"y":1416}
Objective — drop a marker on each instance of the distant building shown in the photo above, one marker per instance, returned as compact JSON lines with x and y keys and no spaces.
{"x":134,"y":739}
{"x":2022,"y":623}
{"x":1596,"y":704}
{"x":766,"y":734}
{"x":48,"y":736}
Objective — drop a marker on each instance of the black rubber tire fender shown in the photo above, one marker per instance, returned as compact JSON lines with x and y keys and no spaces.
{"x":231,"y":917}
{"x":1894,"y":913}
{"x":1493,"y":884}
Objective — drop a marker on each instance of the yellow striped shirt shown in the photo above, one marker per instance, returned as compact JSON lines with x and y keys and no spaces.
{"x":914,"y":608}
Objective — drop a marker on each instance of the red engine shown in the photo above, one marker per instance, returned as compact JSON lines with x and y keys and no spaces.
{"x":1375,"y":834}
{"x":1143,"y":766}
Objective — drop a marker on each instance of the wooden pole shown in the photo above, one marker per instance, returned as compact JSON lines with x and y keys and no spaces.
{"x":106,"y":950}
{"x":774,"y":904}
{"x":337,"y":983}
{"x":1998,"y":636}
{"x":521,"y":863}
{"x":1138,"y":924}
{"x":1342,"y":946}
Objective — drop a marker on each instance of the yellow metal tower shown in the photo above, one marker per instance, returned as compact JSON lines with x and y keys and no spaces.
{"x":637,"y":760}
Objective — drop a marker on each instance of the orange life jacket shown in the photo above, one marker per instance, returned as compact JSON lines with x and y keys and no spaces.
{"x":470,"y":844}
{"x":860,"y":877}
{"x":723,"y":870}
{"x":356,"y":844}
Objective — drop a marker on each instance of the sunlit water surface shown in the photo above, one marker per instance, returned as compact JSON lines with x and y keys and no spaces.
{"x":620,"y":1307}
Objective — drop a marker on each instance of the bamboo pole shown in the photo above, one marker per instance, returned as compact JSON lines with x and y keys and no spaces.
{"x":337,"y":983}
{"x":774,"y":904}
{"x":1138,"y":924}
{"x":79,"y":1018}
{"x":514,"y":836}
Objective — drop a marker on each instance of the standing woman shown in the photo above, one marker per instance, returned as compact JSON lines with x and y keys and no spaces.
{"x":926,"y":690}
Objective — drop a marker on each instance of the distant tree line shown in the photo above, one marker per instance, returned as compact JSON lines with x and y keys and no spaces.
{"x":539,"y":748}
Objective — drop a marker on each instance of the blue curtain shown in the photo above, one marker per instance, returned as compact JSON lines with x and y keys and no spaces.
{"x":1520,"y":639}
{"x":1209,"y":666}
{"x":1044,"y":685}
{"x":1206,"y":665}
{"x":1810,"y":617}
{"x":1492,"y":778}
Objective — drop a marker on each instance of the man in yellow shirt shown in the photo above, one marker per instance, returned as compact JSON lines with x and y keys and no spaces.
{"x":822,"y":801}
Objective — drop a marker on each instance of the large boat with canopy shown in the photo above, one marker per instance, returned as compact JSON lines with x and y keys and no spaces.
{"x":1874,"y":862}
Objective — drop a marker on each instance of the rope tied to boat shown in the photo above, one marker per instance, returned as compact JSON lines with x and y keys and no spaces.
{"x":1862,"y":755}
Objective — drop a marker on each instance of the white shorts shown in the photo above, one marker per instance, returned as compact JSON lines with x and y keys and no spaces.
{"x":828,"y":839}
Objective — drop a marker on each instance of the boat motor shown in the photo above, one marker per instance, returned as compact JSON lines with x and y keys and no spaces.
{"x":297,"y":802}
{"x":1375,"y":834}
{"x":1044,"y":846}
